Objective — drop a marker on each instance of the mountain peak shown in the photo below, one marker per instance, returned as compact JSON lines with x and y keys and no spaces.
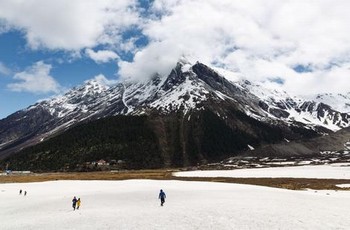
{"x":100,"y":81}
{"x":183,"y":60}
{"x":186,"y":89}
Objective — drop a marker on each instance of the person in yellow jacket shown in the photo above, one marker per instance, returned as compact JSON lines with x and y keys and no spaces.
{"x":78,"y":203}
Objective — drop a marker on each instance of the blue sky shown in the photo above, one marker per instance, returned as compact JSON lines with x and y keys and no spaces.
{"x":68,"y":71}
{"x":49,"y":46}
{"x":68,"y":67}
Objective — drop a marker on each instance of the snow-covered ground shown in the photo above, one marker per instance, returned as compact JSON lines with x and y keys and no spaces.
{"x":336,"y":171}
{"x":133,"y":204}
{"x":343,"y":185}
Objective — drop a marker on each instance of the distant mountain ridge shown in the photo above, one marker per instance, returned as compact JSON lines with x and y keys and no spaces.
{"x":311,"y":111}
{"x":187,"y":91}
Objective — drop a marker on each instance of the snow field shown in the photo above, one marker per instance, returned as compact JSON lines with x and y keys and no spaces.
{"x":335,"y":171}
{"x":134,"y":204}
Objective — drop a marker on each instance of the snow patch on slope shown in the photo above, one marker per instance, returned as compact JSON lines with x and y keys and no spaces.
{"x":339,"y":102}
{"x":185,"y":96}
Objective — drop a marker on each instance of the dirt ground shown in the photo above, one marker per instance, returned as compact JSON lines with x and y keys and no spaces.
{"x":286,"y":183}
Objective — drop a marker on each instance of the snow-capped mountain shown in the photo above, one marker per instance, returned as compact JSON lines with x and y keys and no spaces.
{"x":188,"y":88}
{"x":322,"y":110}
{"x":339,"y":102}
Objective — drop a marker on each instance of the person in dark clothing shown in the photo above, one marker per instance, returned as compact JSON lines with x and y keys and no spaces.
{"x":20,"y":192}
{"x":162,"y":197}
{"x":25,"y":193}
{"x":74,"y":203}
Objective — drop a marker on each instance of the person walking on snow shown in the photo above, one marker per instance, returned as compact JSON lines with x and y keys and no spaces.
{"x":78,"y":203}
{"x":74,"y":203}
{"x":162,"y":197}
{"x":20,"y":192}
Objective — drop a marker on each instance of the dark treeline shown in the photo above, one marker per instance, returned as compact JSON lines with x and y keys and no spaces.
{"x":126,"y":138}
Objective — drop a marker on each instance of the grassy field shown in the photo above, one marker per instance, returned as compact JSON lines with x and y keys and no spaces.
{"x":286,"y":183}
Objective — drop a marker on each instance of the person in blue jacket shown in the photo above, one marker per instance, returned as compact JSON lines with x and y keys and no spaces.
{"x":74,"y":203}
{"x":162,"y":197}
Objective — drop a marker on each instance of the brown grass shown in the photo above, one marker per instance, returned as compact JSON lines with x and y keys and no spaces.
{"x":286,"y":183}
{"x":123,"y":175}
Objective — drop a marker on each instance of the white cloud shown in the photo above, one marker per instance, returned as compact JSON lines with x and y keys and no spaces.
{"x":103,"y":80}
{"x":101,"y":56}
{"x":333,"y":80}
{"x":35,"y":79}
{"x":4,"y":26}
{"x":155,"y":58}
{"x":70,"y":25}
{"x":259,"y":39}
{"x":4,"y":70}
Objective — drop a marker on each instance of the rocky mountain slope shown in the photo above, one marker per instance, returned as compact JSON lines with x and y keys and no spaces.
{"x":188,"y":103}
{"x":334,"y":143}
